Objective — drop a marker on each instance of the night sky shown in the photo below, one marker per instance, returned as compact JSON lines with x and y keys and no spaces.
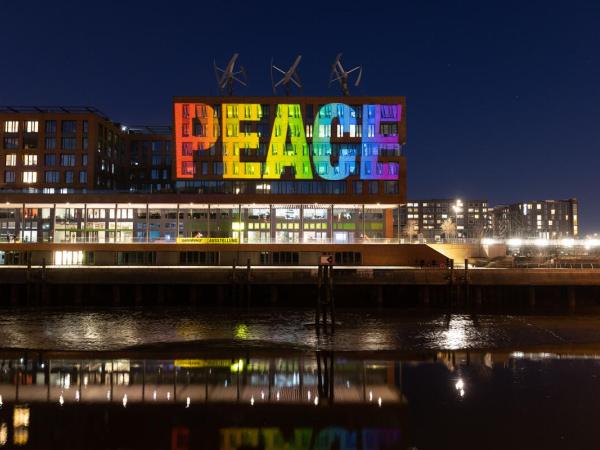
{"x":503,"y":98}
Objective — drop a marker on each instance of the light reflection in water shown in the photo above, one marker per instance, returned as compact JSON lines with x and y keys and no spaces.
{"x":456,"y":335}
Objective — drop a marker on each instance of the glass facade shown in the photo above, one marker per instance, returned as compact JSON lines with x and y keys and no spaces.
{"x":152,"y":222}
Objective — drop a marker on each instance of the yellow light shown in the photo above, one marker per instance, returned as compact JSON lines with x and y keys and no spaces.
{"x":241,"y":331}
{"x":238,"y":366}
{"x":21,"y":416}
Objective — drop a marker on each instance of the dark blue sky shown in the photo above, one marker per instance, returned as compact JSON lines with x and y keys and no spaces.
{"x":503,"y":98}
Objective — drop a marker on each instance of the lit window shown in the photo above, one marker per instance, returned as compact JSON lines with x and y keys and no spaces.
{"x":11,"y":126}
{"x":11,"y":160}
{"x":31,"y":126}
{"x":29,"y":177}
{"x":30,"y":160}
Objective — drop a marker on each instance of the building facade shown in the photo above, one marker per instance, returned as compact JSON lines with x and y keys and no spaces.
{"x":445,"y":219}
{"x":270,"y":175}
{"x":58,"y":149}
{"x":316,"y":148}
{"x":544,"y":219}
{"x":146,"y":165}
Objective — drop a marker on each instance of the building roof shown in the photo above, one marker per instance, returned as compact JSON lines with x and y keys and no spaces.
{"x":54,"y":109}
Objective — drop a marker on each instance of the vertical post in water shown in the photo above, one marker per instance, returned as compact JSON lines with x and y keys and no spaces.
{"x":467,"y":281}
{"x":248,"y":283}
{"x":451,"y":282}
{"x":318,"y":305}
{"x":331,"y":299}
{"x":327,"y":299}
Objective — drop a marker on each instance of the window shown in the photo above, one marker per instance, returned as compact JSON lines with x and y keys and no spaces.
{"x":69,"y":177}
{"x":68,"y":143}
{"x":30,"y":160}
{"x":83,"y":177}
{"x":50,"y":143}
{"x":49,"y":160}
{"x":69,"y":127}
{"x":156,"y":160}
{"x":31,"y":126}
{"x":9,"y":176}
{"x":67,"y":160}
{"x":52,"y":176}
{"x":29,"y":177}
{"x":11,"y":126}
{"x":11,"y":160}
{"x":84,"y":160}
{"x":50,"y":127}
{"x":11,"y":143}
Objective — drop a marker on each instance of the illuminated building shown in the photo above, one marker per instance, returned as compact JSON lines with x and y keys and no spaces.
{"x":58,"y":149}
{"x":545,"y":219}
{"x":429,"y":219}
{"x":255,"y":171}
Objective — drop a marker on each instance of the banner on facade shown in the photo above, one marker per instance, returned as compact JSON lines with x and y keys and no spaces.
{"x":181,"y":240}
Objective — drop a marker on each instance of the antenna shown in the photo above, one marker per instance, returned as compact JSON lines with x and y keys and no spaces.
{"x":289,"y":76}
{"x":339,"y":74}
{"x":226,"y":77}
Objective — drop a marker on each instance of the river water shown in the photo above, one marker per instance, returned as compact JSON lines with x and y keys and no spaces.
{"x":230,"y":379}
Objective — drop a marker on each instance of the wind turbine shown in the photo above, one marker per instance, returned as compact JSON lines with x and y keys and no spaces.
{"x":339,"y":74}
{"x":289,"y":76}
{"x":226,"y":77}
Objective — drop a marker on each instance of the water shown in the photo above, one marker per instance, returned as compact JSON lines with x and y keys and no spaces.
{"x":225,"y":379}
{"x":359,"y":330}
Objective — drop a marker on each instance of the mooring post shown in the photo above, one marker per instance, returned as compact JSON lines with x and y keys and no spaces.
{"x":331,"y":299}
{"x":451,"y":282}
{"x":248,"y":283}
{"x":318,"y":305}
{"x":233,"y":282}
{"x":467,"y":293}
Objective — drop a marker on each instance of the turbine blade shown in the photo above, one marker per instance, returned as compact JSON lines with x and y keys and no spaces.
{"x":359,"y":77}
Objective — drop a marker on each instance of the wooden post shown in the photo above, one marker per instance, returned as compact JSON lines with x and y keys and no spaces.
{"x":331,"y":299}
{"x":467,"y":293}
{"x":319,"y":288}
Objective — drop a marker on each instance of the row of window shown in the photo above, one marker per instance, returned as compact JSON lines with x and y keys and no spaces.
{"x":249,"y":111}
{"x":67,"y":127}
{"x":50,"y":176}
{"x":386,"y":129}
{"x":66,"y":143}
{"x":49,"y":160}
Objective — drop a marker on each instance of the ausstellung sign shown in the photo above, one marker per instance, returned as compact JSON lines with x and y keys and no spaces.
{"x":328,"y":141}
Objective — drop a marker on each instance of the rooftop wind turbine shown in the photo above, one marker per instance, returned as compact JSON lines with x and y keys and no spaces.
{"x":290,"y":76}
{"x":228,"y":76}
{"x":339,"y":74}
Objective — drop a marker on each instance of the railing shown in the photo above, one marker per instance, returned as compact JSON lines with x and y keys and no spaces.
{"x":245,"y":240}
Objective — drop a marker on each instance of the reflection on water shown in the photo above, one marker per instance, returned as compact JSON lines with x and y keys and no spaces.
{"x":318,"y":400}
{"x":358,"y":330}
{"x":228,"y":379}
